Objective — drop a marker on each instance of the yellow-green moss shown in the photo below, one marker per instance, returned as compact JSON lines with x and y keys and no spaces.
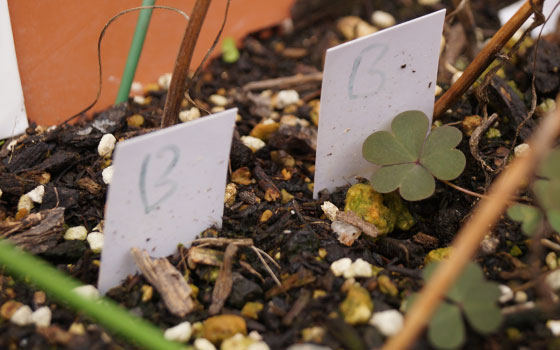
{"x":384,"y":211}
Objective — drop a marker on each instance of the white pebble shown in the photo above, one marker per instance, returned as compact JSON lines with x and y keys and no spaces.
{"x":554,"y":326}
{"x":107,"y":174}
{"x":359,"y":268}
{"x":382,"y":19}
{"x":42,"y":317}
{"x":388,"y":322}
{"x":36,"y":194}
{"x":330,"y":210}
{"x":78,"y":233}
{"x":217,"y":109}
{"x":12,"y":145}
{"x":164,"y":81}
{"x":218,"y":100}
{"x":489,"y":245}
{"x":106,"y":145}
{"x":87,"y":291}
{"x":521,"y":297}
{"x":1,"y":193}
{"x":25,"y":202}
{"x":203,"y":344}
{"x":253,"y":143}
{"x":189,"y":115}
{"x":340,"y":266}
{"x":139,"y":100}
{"x":506,"y":294}
{"x":521,"y":149}
{"x":438,"y":90}
{"x":346,"y":233}
{"x":95,"y":240}
{"x":180,"y":333}
{"x":22,"y":317}
{"x":553,"y":280}
{"x":292,"y":120}
{"x":308,"y":346}
{"x":286,"y":98}
{"x":260,"y":345}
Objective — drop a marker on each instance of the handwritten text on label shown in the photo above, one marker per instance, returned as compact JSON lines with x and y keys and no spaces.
{"x":163,"y":180}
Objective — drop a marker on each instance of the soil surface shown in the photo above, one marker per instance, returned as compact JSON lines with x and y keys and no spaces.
{"x":273,"y":205}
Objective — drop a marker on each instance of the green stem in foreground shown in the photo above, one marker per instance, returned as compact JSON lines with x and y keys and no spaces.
{"x":106,"y":312}
{"x":135,"y":51}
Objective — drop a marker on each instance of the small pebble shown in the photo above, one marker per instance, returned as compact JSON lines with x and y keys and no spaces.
{"x":253,"y":143}
{"x":25,"y":202}
{"x":438,"y":90}
{"x":521,"y":149}
{"x":506,"y":294}
{"x":330,"y":210}
{"x":139,"y":100}
{"x":164,"y":81}
{"x":382,"y":19}
{"x":551,"y":261}
{"x":231,"y":193}
{"x":106,"y":145}
{"x":489,"y":245}
{"x":42,"y":317}
{"x":22,"y":317}
{"x":352,"y":27}
{"x":218,"y":100}
{"x":95,"y":240}
{"x":203,"y":344}
{"x":286,"y":98}
{"x":189,"y":115}
{"x":9,"y":308}
{"x":78,"y":233}
{"x":180,"y":333}
{"x":1,"y":193}
{"x":520,"y":297}
{"x":346,"y":233}
{"x":36,"y":195}
{"x":554,"y":326}
{"x":359,"y":268}
{"x":107,"y":174}
{"x":388,"y":322}
{"x":340,"y":266}
{"x":553,"y":280}
{"x":87,"y":291}
{"x":358,"y":306}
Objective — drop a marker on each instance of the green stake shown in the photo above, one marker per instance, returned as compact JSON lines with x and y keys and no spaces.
{"x":104,"y":311}
{"x":135,"y":51}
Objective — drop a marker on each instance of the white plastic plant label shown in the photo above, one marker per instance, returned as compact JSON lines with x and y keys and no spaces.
{"x":13,"y":119}
{"x":549,"y":27}
{"x":366,"y":83}
{"x":167,"y":187}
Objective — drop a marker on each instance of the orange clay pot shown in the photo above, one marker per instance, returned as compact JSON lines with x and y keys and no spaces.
{"x":56,"y":46}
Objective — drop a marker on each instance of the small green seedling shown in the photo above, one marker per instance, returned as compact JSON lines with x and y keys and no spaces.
{"x":409,"y":160}
{"x":230,"y":54}
{"x":547,"y":193}
{"x":471,"y":296}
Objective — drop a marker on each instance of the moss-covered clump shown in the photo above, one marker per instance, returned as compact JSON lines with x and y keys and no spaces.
{"x":385,"y":211}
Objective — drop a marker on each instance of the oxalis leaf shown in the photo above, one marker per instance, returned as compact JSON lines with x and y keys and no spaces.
{"x":409,"y":161}
{"x":471,"y":295}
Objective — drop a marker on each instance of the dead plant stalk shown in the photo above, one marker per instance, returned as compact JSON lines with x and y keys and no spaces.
{"x":180,"y":76}
{"x":467,"y":242}
{"x":485,"y":57}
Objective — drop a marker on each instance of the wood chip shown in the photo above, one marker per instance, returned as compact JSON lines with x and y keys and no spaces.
{"x":353,"y":219}
{"x":167,"y":280}
{"x":37,"y":232}
{"x":224,"y":283}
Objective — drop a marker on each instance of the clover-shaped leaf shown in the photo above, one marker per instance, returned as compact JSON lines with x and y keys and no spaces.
{"x":410,"y":161}
{"x":471,"y":295}
{"x":529,"y":216}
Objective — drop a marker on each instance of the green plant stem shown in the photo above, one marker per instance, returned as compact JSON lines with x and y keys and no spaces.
{"x":135,"y":51}
{"x":104,"y":311}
